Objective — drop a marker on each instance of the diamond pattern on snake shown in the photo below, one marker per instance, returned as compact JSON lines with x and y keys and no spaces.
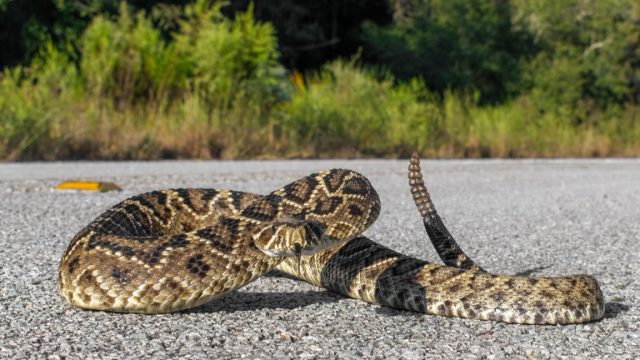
{"x":175,"y":249}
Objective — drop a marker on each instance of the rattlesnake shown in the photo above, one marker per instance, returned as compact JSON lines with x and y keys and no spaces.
{"x":175,"y":249}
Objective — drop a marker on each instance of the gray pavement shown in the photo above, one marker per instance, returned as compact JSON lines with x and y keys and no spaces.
{"x":544,"y":217}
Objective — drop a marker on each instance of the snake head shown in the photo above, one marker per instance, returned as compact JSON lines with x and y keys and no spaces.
{"x":292,"y":238}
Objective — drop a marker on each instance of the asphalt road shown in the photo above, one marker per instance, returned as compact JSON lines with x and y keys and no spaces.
{"x":540,"y":217}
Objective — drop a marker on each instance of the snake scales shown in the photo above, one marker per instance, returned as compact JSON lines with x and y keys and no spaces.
{"x":175,"y":249}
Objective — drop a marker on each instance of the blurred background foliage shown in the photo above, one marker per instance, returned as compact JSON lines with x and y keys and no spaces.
{"x":105,"y":79}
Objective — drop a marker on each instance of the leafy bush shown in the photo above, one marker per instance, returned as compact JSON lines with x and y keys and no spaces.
{"x":221,"y":59}
{"x":346,"y":108}
{"x":588,"y":52}
{"x":454,"y":44}
{"x":33,"y":101}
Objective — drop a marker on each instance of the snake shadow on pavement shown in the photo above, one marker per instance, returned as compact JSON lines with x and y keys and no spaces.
{"x":612,"y":309}
{"x":248,"y":301}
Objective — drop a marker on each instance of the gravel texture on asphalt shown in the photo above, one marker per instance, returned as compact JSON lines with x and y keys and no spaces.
{"x":549,"y":217}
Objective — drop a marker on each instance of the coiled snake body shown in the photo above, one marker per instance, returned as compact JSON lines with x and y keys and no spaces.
{"x":175,"y":249}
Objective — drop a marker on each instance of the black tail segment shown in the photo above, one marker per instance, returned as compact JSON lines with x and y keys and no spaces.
{"x":446,"y":246}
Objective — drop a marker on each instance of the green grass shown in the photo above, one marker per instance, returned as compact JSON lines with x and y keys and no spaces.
{"x":216,"y":90}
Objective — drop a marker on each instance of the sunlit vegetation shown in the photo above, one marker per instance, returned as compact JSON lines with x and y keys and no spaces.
{"x":466,"y":78}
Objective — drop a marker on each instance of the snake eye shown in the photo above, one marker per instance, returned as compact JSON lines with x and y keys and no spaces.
{"x":315,"y":230}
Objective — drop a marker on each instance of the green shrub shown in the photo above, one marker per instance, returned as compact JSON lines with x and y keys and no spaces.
{"x":346,"y":108}
{"x":123,"y":60}
{"x":32,"y":101}
{"x":465,"y":45}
